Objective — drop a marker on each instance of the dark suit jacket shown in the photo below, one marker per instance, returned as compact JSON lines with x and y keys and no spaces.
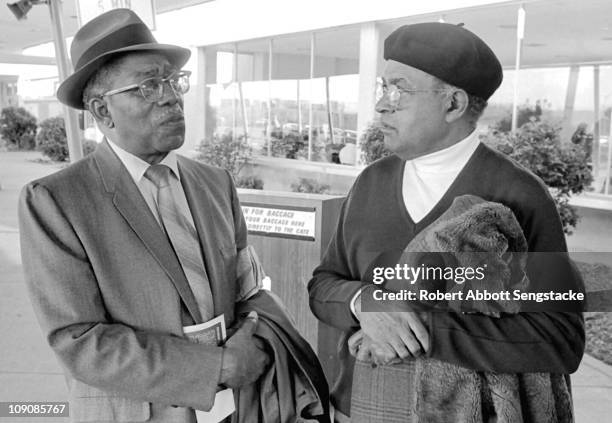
{"x":109,"y":291}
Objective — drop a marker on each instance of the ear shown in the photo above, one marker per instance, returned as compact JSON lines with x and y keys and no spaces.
{"x":98,"y":108}
{"x":457,"y":103}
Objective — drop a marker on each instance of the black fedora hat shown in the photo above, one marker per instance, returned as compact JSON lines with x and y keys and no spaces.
{"x":115,"y":32}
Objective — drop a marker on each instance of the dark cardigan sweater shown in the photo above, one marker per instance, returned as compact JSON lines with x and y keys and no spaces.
{"x":374,"y":219}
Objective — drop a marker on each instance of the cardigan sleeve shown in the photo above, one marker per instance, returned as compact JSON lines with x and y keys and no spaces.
{"x":332,"y":286}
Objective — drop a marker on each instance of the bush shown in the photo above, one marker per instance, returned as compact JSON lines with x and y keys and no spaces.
{"x":231,"y":154}
{"x":563,"y":167}
{"x":525,"y":114}
{"x":53,"y":143}
{"x":225,"y":152}
{"x":292,"y":145}
{"x":372,"y":145}
{"x":287,"y":146}
{"x":311,"y":186}
{"x":18,"y":128}
{"x":250,"y":182}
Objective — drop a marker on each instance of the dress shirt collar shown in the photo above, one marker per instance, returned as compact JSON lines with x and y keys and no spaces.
{"x":451,"y":159}
{"x":137,"y":167}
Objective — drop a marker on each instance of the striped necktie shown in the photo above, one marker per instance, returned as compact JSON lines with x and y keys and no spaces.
{"x":183,"y":237}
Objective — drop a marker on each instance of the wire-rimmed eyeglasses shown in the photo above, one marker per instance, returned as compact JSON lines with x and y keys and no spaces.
{"x":152,"y":89}
{"x":393,"y":93}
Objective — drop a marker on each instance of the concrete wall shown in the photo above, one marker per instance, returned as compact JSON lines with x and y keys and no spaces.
{"x":279,"y":174}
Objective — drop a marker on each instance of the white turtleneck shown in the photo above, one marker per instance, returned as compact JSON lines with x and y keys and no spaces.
{"x":427,"y":178}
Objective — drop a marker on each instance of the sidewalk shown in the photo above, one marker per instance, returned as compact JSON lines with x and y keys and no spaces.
{"x":28,"y":369}
{"x":30,"y":372}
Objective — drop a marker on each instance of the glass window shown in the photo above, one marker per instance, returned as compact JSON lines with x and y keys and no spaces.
{"x":289,"y":97}
{"x":273,"y":101}
{"x":334,"y":92}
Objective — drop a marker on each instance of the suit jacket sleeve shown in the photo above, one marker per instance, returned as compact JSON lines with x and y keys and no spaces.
{"x":333,"y":285}
{"x":111,"y":356}
{"x":239,"y":222}
{"x":551,"y":342}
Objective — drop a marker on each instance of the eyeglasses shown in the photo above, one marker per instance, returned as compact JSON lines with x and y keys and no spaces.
{"x":152,"y":89}
{"x":393,"y":93}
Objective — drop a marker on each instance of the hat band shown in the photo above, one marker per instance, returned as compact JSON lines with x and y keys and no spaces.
{"x":127,"y":36}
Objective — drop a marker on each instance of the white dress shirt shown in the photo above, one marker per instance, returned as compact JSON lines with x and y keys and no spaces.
{"x":137,"y":167}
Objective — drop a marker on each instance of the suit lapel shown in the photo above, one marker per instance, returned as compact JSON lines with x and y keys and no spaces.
{"x":202,"y":211}
{"x":129,"y":202}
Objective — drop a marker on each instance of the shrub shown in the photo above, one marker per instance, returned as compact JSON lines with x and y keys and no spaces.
{"x":250,"y":182}
{"x":563,"y":167}
{"x":287,"y":146}
{"x":18,"y":128}
{"x":231,"y":154}
{"x":372,"y":145}
{"x":225,"y":152}
{"x":53,"y":143}
{"x":525,"y":113}
{"x":292,"y":145}
{"x":311,"y":186}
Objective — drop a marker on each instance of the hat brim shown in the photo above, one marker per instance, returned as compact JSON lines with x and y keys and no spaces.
{"x":70,"y":91}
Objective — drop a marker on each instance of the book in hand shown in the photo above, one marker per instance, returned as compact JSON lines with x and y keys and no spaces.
{"x":212,"y":332}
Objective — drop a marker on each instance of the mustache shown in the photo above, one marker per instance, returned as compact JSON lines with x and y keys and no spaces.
{"x":379,"y":124}
{"x":176,"y":113}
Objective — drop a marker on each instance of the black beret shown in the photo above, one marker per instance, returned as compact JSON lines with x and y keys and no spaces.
{"x":448,"y":52}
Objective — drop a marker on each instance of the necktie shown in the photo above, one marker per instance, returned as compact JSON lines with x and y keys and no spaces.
{"x":183,"y":237}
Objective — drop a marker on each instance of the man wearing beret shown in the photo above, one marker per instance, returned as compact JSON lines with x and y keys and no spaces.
{"x":124,"y":248}
{"x":435,"y":85}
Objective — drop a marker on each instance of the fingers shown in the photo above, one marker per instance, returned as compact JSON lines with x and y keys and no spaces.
{"x":250,"y":323}
{"x":404,"y":334}
{"x":355,"y":342}
{"x":259,"y":343}
{"x":261,"y":357}
{"x":420,"y":331}
{"x":363,"y":350}
{"x":404,"y":345}
{"x":382,"y":354}
{"x":364,"y":354}
{"x":411,"y":344}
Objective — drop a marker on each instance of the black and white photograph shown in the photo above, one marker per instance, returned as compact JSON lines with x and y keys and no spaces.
{"x":289,"y":211}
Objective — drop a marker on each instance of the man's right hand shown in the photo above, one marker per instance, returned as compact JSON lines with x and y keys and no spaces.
{"x":244,"y":358}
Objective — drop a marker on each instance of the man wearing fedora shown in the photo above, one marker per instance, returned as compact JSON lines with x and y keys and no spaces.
{"x":435,"y":85}
{"x":124,"y":248}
